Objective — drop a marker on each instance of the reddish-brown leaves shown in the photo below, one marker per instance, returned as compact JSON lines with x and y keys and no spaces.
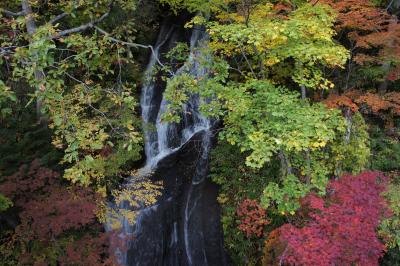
{"x":28,"y":181}
{"x":48,"y":207}
{"x":253,"y":218}
{"x":375,"y":33}
{"x":50,"y":211}
{"x":387,"y":39}
{"x":273,"y":248}
{"x":62,"y":210}
{"x":87,"y":251}
{"x":339,"y":102}
{"x":394,"y":99}
{"x":357,"y":14}
{"x":386,"y":106}
{"x":374,"y":101}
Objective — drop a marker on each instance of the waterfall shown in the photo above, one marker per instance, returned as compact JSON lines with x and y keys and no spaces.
{"x":171,"y":232}
{"x":159,"y":144}
{"x":147,"y":99}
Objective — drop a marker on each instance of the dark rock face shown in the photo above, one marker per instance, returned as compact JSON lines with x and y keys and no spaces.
{"x":184,"y":227}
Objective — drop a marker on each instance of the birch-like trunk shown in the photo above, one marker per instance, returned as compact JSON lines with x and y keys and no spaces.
{"x":31,"y":29}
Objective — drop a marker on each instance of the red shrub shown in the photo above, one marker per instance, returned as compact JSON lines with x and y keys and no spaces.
{"x":55,"y":217}
{"x":88,"y":251}
{"x":253,"y":218}
{"x":342,"y":229}
{"x":48,"y":207}
{"x":28,"y":182}
{"x":60,"y":211}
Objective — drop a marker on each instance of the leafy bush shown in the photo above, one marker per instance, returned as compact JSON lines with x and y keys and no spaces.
{"x":5,"y":203}
{"x":391,"y":258}
{"x":253,"y":218}
{"x":386,"y":151}
{"x":238,"y":183}
{"x":390,"y":227}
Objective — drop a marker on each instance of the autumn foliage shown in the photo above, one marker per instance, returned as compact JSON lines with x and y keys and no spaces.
{"x":252,"y":218}
{"x":56,"y":221}
{"x":342,"y":229}
{"x":335,"y":101}
{"x":369,"y":27}
{"x":273,"y":248}
{"x":357,"y":14}
{"x":386,"y":106}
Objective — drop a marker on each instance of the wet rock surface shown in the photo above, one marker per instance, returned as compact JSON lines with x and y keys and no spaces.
{"x":183,"y":228}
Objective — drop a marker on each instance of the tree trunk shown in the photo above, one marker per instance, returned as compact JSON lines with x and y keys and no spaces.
{"x":285,"y":164}
{"x":303,"y":92}
{"x":387,"y":63}
{"x":308,"y":161}
{"x":384,"y":85}
{"x":349,"y":120}
{"x":31,"y":29}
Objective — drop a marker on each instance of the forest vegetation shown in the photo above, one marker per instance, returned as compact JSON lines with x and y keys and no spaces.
{"x":307,"y":151}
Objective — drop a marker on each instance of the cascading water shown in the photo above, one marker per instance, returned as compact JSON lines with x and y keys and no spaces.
{"x":147,"y":100}
{"x":159,"y":144}
{"x":183,"y":228}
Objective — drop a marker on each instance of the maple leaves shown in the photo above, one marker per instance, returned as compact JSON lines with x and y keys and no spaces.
{"x":67,"y":87}
{"x":89,"y":250}
{"x":357,"y":14}
{"x":374,"y":32}
{"x":342,"y":226}
{"x":335,"y":101}
{"x":49,"y":214}
{"x":386,"y":106}
{"x":60,"y":211}
{"x":266,"y":40}
{"x":253,"y":218}
{"x":28,"y":181}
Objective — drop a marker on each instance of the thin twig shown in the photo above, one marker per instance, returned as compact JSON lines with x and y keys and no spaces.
{"x":389,"y":5}
{"x":89,"y":104}
{"x":129,"y":44}
{"x":247,"y":60}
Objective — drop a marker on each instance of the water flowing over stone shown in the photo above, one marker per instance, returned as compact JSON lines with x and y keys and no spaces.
{"x":162,"y":141}
{"x":183,"y":228}
{"x":147,"y":100}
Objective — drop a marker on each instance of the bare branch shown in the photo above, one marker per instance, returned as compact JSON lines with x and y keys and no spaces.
{"x":131,"y":44}
{"x":316,"y":2}
{"x":86,"y":26}
{"x":29,"y":18}
{"x":389,"y":5}
{"x":81,"y":27}
{"x":9,"y":13}
{"x":57,"y":18}
{"x":10,"y":49}
{"x":247,"y":60}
